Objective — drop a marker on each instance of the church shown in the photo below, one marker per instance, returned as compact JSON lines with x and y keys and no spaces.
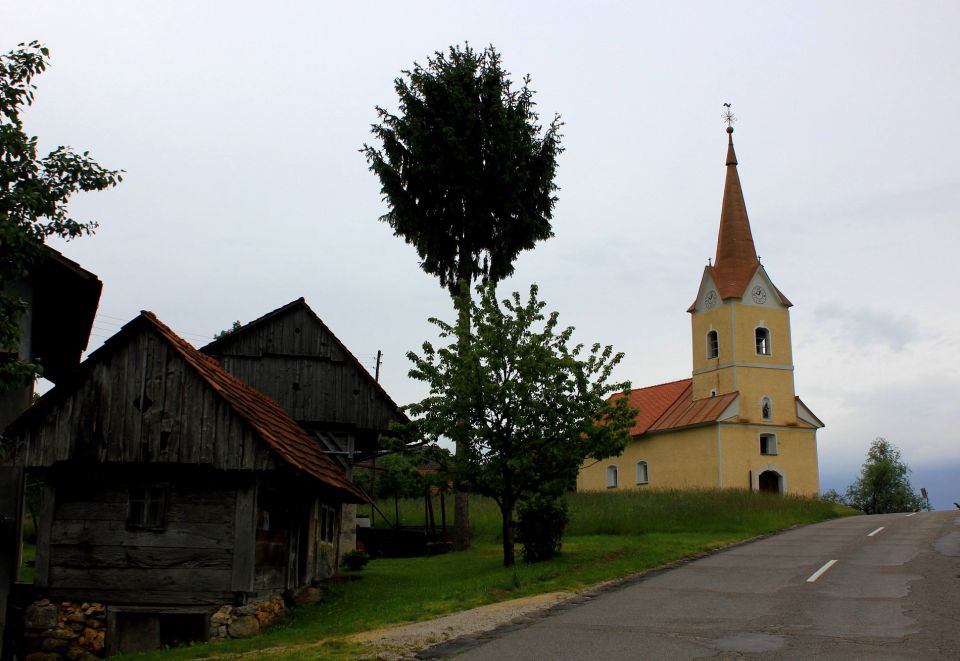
{"x":737,"y":422}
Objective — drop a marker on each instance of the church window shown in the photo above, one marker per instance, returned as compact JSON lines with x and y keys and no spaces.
{"x":766,"y":409}
{"x":611,"y":477}
{"x":768,"y":444}
{"x":763,"y":341}
{"x":642,"y":476}
{"x":713,"y":344}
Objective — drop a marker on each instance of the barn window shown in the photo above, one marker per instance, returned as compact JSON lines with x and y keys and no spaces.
{"x":642,"y":476}
{"x":713,"y":344}
{"x":763,"y":341}
{"x":611,"y":477}
{"x":766,"y":409}
{"x":147,"y":507}
{"x":768,"y":444}
{"x":328,"y":523}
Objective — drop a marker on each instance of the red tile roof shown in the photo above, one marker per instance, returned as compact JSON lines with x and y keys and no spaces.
{"x":671,"y":406}
{"x":689,"y":412}
{"x":284,"y":436}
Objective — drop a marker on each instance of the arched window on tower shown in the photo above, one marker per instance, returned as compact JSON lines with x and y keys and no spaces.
{"x":763,"y":341}
{"x":766,"y":409}
{"x":713,"y":344}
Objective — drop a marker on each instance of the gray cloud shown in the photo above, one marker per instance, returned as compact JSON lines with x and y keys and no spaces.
{"x":870,"y":326}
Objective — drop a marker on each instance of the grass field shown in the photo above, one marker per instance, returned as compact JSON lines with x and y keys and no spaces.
{"x":611,"y":535}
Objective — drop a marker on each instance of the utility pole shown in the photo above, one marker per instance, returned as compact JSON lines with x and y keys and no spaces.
{"x":376,"y":375}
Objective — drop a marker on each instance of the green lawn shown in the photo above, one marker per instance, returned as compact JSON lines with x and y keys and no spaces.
{"x":611,"y":536}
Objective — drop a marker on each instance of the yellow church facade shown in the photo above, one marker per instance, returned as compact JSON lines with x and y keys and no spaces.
{"x":737,"y":421}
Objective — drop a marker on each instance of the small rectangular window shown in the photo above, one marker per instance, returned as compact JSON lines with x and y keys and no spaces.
{"x":147,"y":507}
{"x":328,"y":523}
{"x":768,"y":444}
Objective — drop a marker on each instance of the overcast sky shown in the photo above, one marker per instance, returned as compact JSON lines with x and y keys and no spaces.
{"x":239,"y":125}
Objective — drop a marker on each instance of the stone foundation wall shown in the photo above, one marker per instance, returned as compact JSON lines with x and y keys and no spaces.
{"x":244,"y":621}
{"x":64,"y":630}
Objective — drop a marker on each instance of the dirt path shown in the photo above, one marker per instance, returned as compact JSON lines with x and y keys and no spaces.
{"x":403,"y":641}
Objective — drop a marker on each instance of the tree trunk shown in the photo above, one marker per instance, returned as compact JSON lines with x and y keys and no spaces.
{"x":506,"y":512}
{"x":461,"y":502}
{"x":461,"y":519}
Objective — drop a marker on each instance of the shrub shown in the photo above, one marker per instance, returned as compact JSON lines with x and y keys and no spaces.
{"x":355,"y":560}
{"x":540,"y":527}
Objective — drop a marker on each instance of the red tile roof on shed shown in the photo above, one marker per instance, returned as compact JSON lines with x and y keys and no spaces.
{"x":671,"y":406}
{"x":284,"y":436}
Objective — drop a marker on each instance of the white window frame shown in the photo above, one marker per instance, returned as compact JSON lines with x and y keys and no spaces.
{"x":613,"y":476}
{"x":643,"y":472}
{"x":713,"y":344}
{"x":768,"y":341}
{"x":772,"y":449}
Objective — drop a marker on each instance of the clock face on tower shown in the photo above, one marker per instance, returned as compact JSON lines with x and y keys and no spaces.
{"x":759,"y":294}
{"x":710,"y":300}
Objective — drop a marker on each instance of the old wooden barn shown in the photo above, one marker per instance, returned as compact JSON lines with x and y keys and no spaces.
{"x":293,"y":357}
{"x":173,"y":488}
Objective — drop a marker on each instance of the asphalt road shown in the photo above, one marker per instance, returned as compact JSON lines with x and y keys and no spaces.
{"x":891,"y":592}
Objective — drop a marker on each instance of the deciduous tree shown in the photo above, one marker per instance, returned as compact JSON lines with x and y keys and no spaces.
{"x":535,"y":407}
{"x":468,"y":173}
{"x":884,"y":484}
{"x":34,"y":192}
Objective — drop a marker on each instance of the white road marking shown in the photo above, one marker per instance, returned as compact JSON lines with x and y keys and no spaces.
{"x":876,"y":531}
{"x":912,"y":513}
{"x":817,"y":574}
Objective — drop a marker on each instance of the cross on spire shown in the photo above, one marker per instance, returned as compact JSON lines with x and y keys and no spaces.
{"x":728,"y":117}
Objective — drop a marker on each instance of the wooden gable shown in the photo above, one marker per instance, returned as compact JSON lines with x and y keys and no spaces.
{"x":294,"y":358}
{"x":147,"y":396}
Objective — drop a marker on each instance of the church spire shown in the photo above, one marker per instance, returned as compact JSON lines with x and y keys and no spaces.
{"x":736,"y":259}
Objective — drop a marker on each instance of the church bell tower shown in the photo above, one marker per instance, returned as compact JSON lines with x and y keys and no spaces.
{"x":741,"y":321}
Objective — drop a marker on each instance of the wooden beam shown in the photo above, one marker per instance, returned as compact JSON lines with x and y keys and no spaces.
{"x":41,"y":572}
{"x":245,"y":538}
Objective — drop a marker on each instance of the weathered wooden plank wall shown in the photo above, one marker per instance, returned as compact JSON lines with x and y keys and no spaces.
{"x":92,"y":550}
{"x":294,"y":360}
{"x":143,"y":404}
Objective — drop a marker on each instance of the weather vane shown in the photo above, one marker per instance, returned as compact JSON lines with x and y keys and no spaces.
{"x":728,"y":115}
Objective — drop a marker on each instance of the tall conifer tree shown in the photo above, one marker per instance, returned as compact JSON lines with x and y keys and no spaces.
{"x":467,"y":171}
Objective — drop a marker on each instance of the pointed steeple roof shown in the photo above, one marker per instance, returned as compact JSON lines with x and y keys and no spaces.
{"x":736,"y":260}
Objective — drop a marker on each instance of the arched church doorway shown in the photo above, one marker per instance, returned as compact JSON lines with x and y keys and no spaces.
{"x":769,"y":482}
